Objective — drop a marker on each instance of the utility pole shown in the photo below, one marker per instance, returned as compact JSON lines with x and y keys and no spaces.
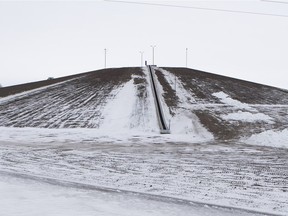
{"x":186,"y":57}
{"x":105,"y":53}
{"x":141,"y":52}
{"x":153,"y":46}
{"x":175,"y":82}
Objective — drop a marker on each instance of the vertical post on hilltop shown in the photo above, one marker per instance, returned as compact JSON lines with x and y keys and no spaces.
{"x":175,"y":83}
{"x":141,"y":52}
{"x":153,"y":46}
{"x":186,"y":57}
{"x":105,"y":53}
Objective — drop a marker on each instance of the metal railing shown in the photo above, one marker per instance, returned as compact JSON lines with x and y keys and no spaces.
{"x":164,"y":129}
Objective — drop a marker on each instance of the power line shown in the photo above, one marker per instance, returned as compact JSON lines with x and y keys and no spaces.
{"x":280,"y":2}
{"x":198,"y":8}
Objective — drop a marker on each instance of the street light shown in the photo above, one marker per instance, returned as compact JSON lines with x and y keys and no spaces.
{"x":141,"y":52}
{"x":153,"y":46}
{"x":105,"y":53}
{"x":186,"y":57}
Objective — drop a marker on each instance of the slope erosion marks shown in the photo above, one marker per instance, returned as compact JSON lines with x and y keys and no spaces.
{"x":204,"y":84}
{"x":10,"y":90}
{"x":75,"y":103}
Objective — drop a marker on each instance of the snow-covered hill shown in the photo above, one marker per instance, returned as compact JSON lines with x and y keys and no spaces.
{"x":199,"y":106}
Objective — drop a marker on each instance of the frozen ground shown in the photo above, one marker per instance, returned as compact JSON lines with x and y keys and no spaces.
{"x":229,"y":174}
{"x":29,"y":197}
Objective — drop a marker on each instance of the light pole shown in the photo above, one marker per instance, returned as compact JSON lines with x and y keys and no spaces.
{"x":186,"y":57}
{"x":153,"y":46}
{"x":105,"y":53}
{"x":141,"y":52}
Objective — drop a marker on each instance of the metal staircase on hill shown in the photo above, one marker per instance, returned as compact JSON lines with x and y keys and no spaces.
{"x":164,"y":128}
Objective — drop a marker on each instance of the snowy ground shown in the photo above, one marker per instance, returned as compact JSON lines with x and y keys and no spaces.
{"x":28,"y":197}
{"x":229,"y":174}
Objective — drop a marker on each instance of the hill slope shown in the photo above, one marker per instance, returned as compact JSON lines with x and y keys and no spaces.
{"x":198,"y":104}
{"x":77,"y":102}
{"x":229,"y":108}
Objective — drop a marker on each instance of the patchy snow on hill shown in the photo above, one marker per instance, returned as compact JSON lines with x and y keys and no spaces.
{"x":118,"y":111}
{"x":247,"y":117}
{"x":226,"y":99}
{"x":252,"y":116}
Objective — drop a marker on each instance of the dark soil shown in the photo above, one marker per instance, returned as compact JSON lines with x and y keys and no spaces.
{"x":78,"y":101}
{"x":170,"y":96}
{"x":75,"y":103}
{"x":203,"y":85}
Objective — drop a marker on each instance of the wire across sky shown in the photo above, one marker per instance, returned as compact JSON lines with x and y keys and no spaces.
{"x":204,"y":8}
{"x":271,"y":1}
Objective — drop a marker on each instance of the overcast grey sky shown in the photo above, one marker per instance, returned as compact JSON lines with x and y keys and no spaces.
{"x":41,"y":39}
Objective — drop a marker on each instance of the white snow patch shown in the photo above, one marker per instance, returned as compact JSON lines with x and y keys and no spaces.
{"x":240,"y":115}
{"x":269,"y":138}
{"x":126,"y":113}
{"x":247,"y":117}
{"x":226,"y":99}
{"x":118,"y":110}
{"x":188,"y":123}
